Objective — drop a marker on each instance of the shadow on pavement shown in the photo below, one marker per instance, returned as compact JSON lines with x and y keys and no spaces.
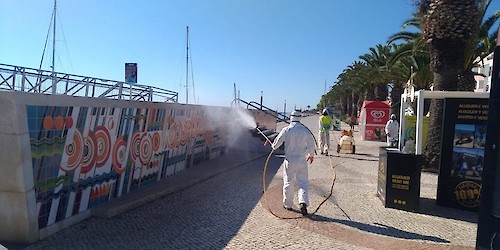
{"x":381,"y":229}
{"x":429,"y":207}
{"x":351,"y":156}
{"x":206,"y":214}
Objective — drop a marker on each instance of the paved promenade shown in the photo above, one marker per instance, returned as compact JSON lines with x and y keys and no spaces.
{"x":224,"y":208}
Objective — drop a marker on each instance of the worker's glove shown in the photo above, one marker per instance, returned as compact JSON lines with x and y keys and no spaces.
{"x":310,"y":158}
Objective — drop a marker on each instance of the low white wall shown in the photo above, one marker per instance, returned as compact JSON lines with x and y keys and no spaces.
{"x":17,"y":197}
{"x":60,"y":155}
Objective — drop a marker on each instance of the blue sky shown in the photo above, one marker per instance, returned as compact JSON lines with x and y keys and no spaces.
{"x":285,"y":48}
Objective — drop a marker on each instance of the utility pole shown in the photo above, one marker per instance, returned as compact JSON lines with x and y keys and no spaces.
{"x":187,"y":63}
{"x":261,"y":98}
{"x":488,"y":224}
{"x":284,"y":109}
{"x":234,"y":89}
{"x":324,"y":94}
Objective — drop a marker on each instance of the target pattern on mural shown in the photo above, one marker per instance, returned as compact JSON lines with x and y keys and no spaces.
{"x":83,"y":156}
{"x":89,"y":153}
{"x":120,"y":155}
{"x":135,"y":145}
{"x":74,"y":152}
{"x":145,"y":149}
{"x":103,"y":141}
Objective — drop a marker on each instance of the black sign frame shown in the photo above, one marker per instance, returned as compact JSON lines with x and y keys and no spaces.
{"x":398,"y":184}
{"x":462,"y":153}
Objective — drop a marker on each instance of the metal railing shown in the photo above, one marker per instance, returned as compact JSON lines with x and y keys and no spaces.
{"x":279,"y":117}
{"x":16,"y":78}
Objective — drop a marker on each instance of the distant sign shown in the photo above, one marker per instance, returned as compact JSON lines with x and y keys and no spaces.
{"x":131,"y":72}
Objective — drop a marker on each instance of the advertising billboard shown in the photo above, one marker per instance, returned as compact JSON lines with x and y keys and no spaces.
{"x":462,"y":153}
{"x":130,"y":72}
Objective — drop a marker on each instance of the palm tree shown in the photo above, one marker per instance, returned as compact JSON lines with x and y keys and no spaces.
{"x":377,"y":61}
{"x":414,"y":52}
{"x":447,"y":27}
{"x":481,"y":44}
{"x":398,"y":72}
{"x":355,"y":86}
{"x":410,"y":63}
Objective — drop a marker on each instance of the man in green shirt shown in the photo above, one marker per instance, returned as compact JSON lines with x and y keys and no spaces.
{"x":325,"y":124}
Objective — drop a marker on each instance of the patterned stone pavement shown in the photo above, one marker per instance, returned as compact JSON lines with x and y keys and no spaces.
{"x":229,"y":210}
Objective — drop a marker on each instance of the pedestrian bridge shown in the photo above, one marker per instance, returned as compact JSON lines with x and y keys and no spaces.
{"x":17,"y":78}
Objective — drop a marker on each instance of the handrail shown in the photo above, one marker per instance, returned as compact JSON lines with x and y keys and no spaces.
{"x":267,"y":110}
{"x":17,"y":78}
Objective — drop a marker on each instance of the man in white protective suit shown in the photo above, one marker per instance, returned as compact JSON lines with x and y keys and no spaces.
{"x":300,"y":148}
{"x":392,"y":131}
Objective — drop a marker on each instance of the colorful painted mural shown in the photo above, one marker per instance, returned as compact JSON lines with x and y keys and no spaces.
{"x":84,"y":156}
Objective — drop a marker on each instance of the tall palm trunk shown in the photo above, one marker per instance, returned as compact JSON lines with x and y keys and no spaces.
{"x":448,"y":24}
{"x":381,"y":92}
{"x":466,"y":81}
{"x":349,"y":105}
{"x":370,"y":94}
{"x":396,"y":92}
{"x":355,"y":100}
{"x":360,"y":103}
{"x":447,"y":60}
{"x":345,"y":103}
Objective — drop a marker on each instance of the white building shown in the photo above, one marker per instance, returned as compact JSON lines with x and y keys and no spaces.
{"x":483,"y":83}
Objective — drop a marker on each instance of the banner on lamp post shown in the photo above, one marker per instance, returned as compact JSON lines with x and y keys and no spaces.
{"x":130,"y":72}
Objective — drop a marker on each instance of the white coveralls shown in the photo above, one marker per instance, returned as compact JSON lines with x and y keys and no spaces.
{"x":298,"y":143}
{"x":392,"y":131}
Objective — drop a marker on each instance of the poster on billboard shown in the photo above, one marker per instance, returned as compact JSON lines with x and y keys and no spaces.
{"x":462,"y":153}
{"x":409,"y":130}
{"x":130,"y":72}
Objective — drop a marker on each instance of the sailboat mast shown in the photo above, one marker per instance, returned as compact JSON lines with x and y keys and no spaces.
{"x":187,"y":63}
{"x":54,"y":87}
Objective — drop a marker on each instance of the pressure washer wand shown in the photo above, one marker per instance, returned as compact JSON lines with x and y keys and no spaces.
{"x":267,"y":139}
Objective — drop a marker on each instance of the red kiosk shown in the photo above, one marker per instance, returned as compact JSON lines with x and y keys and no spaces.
{"x":374,"y":115}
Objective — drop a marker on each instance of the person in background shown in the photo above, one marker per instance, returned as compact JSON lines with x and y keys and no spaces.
{"x":392,"y":131}
{"x":300,"y":148}
{"x":409,"y":146}
{"x":325,"y":124}
{"x":352,"y":122}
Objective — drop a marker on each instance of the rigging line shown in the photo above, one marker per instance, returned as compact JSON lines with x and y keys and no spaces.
{"x":180,"y":71}
{"x":45,"y":47}
{"x":65,"y":46}
{"x":192,"y":71}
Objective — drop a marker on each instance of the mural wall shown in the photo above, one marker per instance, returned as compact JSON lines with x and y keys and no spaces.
{"x":84,"y":156}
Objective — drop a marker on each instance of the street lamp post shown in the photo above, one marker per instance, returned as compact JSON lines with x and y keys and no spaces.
{"x":284,"y":109}
{"x":488,"y":226}
{"x":261,"y":98}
